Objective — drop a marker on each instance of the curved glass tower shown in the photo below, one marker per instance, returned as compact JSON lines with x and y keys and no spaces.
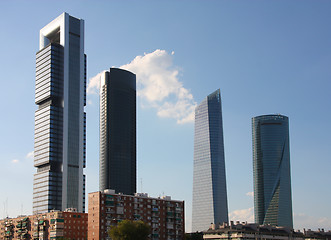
{"x":272,"y":174}
{"x":209,"y":183}
{"x":118,"y":131}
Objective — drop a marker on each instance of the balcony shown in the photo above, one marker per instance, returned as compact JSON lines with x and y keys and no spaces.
{"x":170,"y":226}
{"x":178,"y":209}
{"x":56,"y":233}
{"x":110,"y":203}
{"x":155,"y":236}
{"x":178,"y":226}
{"x":55,"y":220}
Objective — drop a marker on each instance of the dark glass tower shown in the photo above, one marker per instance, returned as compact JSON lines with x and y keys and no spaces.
{"x":118,"y":131}
{"x":209,"y":183}
{"x":59,"y":146}
{"x":272,"y":174}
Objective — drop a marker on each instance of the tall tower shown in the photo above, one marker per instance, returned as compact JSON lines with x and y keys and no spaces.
{"x":272,"y":174}
{"x":209,"y":182}
{"x":118,"y":131}
{"x":60,"y":120}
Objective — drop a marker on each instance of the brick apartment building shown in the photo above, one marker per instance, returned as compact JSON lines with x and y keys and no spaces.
{"x":106,"y":209}
{"x":51,"y":225}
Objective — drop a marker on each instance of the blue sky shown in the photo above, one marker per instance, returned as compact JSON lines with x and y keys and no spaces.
{"x":265,"y":56}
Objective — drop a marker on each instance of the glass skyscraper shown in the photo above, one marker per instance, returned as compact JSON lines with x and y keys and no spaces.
{"x":209,"y":183}
{"x":60,"y":120}
{"x":272,"y":174}
{"x":118,"y":131}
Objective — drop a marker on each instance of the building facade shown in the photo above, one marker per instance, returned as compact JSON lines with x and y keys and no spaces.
{"x":271,"y":170}
{"x":209,"y":182}
{"x":106,"y":209}
{"x":60,"y":120}
{"x":51,"y":225}
{"x":253,"y":231}
{"x":118,"y":131}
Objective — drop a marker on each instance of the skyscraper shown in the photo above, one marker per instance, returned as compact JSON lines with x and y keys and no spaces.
{"x":60,"y":120}
{"x":118,"y":131}
{"x":272,"y":174}
{"x":209,"y":182}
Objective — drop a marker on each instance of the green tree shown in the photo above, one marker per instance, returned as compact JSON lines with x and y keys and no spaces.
{"x":130,"y":230}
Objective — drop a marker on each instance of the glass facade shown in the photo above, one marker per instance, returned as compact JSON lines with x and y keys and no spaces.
{"x":209,"y":182}
{"x":60,"y":120}
{"x":271,"y":169}
{"x":118,"y":131}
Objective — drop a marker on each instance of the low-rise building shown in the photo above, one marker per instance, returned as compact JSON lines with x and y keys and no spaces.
{"x":253,"y":231}
{"x":106,"y":209}
{"x":52,"y":225}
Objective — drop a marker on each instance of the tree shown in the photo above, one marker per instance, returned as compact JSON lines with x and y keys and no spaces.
{"x":194,"y":236}
{"x":130,"y":230}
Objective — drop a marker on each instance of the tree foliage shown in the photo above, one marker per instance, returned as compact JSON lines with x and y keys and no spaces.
{"x":130,"y":230}
{"x":194,"y":236}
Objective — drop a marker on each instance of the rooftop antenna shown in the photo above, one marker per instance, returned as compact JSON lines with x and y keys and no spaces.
{"x":7,"y":207}
{"x":141,"y":185}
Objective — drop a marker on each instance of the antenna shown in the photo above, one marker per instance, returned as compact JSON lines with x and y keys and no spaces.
{"x":7,"y":207}
{"x":141,"y":185}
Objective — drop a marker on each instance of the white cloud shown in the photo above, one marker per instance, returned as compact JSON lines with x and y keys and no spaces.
{"x":94,"y":84}
{"x":158,"y":86}
{"x":15,"y":161}
{"x":250,"y":194}
{"x":243,"y":215}
{"x":30,"y":155}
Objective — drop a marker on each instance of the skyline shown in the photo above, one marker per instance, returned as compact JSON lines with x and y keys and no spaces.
{"x":248,"y":50}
